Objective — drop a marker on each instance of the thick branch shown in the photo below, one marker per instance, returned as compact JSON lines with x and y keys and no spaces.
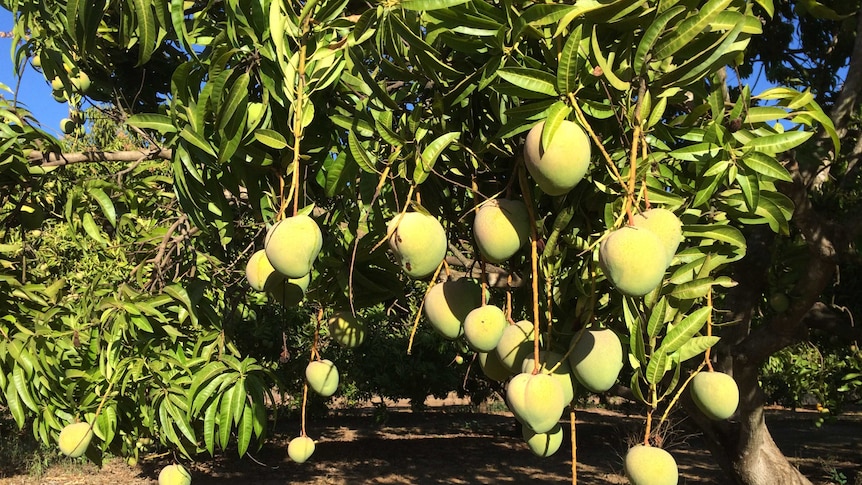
{"x":845,"y":105}
{"x":54,"y":159}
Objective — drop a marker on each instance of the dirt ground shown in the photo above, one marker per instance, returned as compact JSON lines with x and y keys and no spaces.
{"x":449,"y":444}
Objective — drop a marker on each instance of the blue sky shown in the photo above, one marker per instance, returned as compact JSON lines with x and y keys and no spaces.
{"x":33,"y":92}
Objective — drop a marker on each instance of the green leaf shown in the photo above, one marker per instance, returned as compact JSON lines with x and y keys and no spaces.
{"x":197,"y":140}
{"x":781,"y":142}
{"x":105,"y":203}
{"x":700,"y":287}
{"x":571,"y":62}
{"x":684,"y":330}
{"x":605,"y":65}
{"x":209,"y":426}
{"x":530,"y":79}
{"x":657,"y":318}
{"x":92,"y":229}
{"x":244,"y":430}
{"x":429,"y":4}
{"x":430,"y":155}
{"x":696,"y":152}
{"x":759,"y":114}
{"x":146,"y":30}
{"x":360,"y":154}
{"x":270,"y":138}
{"x":766,"y":165}
{"x":151,"y":121}
{"x":718,"y":232}
{"x":657,"y":367}
{"x":14,"y":405}
{"x":684,"y":32}
{"x":695,"y":347}
{"x":652,"y":34}
{"x":237,"y":96}
{"x":23,"y":389}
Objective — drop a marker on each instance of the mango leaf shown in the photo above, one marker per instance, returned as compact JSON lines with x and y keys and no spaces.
{"x":780,"y":142}
{"x":146,"y":30}
{"x":718,"y":232}
{"x":652,"y":34}
{"x":430,"y":4}
{"x":694,"y":347}
{"x":684,"y":330}
{"x":530,"y":79}
{"x":92,"y":229}
{"x":431,"y":153}
{"x":571,"y":62}
{"x":684,"y":32}
{"x":657,"y":367}
{"x":700,"y":287}
{"x":148,"y":121}
{"x":766,"y":165}
{"x":105,"y":203}
{"x":270,"y":138}
{"x":657,"y":318}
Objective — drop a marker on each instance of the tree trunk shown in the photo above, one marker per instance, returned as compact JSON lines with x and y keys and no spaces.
{"x":742,"y":445}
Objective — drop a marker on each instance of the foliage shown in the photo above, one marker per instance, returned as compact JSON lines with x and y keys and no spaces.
{"x":352,"y":114}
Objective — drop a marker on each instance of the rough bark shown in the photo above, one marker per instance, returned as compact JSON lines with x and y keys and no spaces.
{"x":57,"y":159}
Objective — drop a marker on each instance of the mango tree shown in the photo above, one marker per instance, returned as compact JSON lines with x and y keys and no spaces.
{"x":632,"y":190}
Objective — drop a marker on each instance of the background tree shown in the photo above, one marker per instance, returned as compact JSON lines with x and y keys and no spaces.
{"x":354,"y":113}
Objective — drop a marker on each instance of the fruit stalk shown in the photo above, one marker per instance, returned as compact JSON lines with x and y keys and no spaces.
{"x":706,"y":355}
{"x":574,"y":447}
{"x":297,"y":123}
{"x":534,"y":261}
{"x":422,"y":305}
{"x":582,"y":119}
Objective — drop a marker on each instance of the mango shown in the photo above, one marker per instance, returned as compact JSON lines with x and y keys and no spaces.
{"x":563,"y":372}
{"x":558,"y":167}
{"x":259,"y":272}
{"x":536,"y":400}
{"x":300,"y":449}
{"x":543,"y":444}
{"x":74,"y":439}
{"x":483,"y":327}
{"x":647,"y":465}
{"x":492,"y":367}
{"x":292,"y":245}
{"x":322,"y":377}
{"x":715,"y":394}
{"x":634,"y":260}
{"x":597,"y":359}
{"x":418,"y":241}
{"x":447,"y":305}
{"x":174,"y":475}
{"x":665,"y":225}
{"x":289,"y":291}
{"x":345,"y":329}
{"x":501,"y":227}
{"x":515,"y":344}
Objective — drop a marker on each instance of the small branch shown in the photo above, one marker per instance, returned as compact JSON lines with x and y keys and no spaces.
{"x":55,"y":159}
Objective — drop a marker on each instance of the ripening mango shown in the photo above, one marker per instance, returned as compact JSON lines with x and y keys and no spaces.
{"x":322,"y":377}
{"x":516,"y":343}
{"x":300,"y":449}
{"x":447,"y":305}
{"x":501,"y":227}
{"x":345,"y":329}
{"x":292,"y":245}
{"x":597,"y":359}
{"x":634,"y":260}
{"x":259,"y":272}
{"x":174,"y":475}
{"x":543,"y":444}
{"x":75,"y":438}
{"x":289,"y":291}
{"x":536,"y":400}
{"x":418,"y":241}
{"x":665,"y":225}
{"x":484,"y":326}
{"x":492,"y":367}
{"x":562,"y":373}
{"x":558,"y":167}
{"x":647,"y":465}
{"x":715,"y":394}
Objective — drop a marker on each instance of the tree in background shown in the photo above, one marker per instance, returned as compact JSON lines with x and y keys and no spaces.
{"x":252,"y":113}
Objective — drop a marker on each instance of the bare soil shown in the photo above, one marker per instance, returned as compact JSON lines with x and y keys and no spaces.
{"x":450,"y":444}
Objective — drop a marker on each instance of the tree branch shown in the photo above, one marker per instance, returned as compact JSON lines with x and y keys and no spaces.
{"x":846,"y":103}
{"x":55,"y":159}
